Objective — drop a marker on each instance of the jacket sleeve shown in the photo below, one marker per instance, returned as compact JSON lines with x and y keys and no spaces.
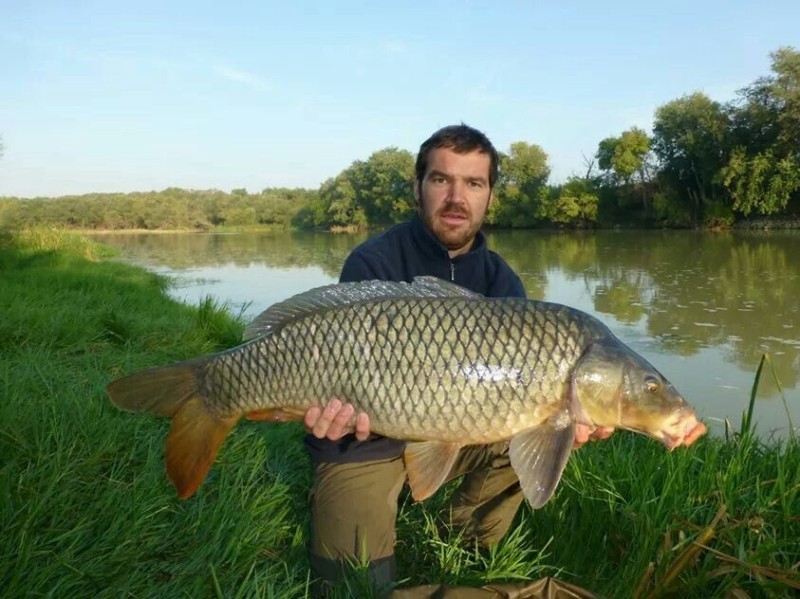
{"x":507,"y":283}
{"x":356,"y":268}
{"x":515,"y":287}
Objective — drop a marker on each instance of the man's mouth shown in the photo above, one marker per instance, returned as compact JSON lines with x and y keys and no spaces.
{"x":453,"y":217}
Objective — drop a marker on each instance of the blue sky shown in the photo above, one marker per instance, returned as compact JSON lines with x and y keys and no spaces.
{"x":135,"y":96}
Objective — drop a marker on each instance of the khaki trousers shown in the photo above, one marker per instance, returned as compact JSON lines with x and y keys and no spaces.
{"x":354,"y":508}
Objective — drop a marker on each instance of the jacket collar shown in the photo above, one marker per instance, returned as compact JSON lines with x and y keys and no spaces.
{"x":433,"y":247}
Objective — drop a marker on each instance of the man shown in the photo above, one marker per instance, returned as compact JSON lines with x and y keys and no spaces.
{"x":357,"y":476}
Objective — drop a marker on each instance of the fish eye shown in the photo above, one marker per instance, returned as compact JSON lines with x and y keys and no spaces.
{"x":651,"y":385}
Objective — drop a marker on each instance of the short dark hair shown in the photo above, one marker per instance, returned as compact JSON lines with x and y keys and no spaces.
{"x":461,"y":139}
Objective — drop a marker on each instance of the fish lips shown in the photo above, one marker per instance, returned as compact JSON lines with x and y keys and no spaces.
{"x":683,"y":430}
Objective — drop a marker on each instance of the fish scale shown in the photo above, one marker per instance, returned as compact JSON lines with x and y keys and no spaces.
{"x":430,"y":363}
{"x":480,"y":363}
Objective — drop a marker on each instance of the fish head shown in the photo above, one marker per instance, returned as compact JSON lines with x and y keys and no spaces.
{"x":614,"y":386}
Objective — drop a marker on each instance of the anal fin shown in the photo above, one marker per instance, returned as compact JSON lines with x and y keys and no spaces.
{"x":428,"y":463}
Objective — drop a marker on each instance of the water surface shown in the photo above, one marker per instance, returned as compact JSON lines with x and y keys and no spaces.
{"x":702,"y":307}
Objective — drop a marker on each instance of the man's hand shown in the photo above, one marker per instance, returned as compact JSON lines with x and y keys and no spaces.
{"x":335,"y":420}
{"x":584,"y":433}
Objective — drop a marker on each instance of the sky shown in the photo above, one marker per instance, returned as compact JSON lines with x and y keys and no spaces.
{"x":138,"y":96}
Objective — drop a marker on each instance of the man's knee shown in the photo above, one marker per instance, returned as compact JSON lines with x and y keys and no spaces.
{"x":486,"y":502}
{"x":353,"y":514}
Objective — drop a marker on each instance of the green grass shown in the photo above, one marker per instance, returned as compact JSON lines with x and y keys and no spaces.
{"x":86,"y":510}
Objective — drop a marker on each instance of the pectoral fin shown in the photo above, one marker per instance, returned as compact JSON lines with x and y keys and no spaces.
{"x":428,"y":463}
{"x":539,"y":456}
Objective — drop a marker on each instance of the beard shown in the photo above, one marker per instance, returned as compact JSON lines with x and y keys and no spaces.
{"x":452,"y":235}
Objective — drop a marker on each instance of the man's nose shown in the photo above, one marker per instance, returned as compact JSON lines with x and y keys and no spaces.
{"x":458,"y":191}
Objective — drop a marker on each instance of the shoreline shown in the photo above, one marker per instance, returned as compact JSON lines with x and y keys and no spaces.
{"x":760,"y":224}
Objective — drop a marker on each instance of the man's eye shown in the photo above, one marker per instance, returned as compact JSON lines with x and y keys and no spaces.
{"x":476,"y":184}
{"x":437,"y":180}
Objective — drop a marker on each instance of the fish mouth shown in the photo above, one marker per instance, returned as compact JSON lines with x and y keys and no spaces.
{"x":684,"y":430}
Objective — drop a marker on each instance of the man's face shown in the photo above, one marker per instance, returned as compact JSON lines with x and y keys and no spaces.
{"x":453,"y":197}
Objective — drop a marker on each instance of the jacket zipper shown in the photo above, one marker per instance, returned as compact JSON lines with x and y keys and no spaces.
{"x":452,"y":272}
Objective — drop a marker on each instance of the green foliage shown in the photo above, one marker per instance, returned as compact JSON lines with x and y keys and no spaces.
{"x":718,"y":215}
{"x":715,"y":162}
{"x":342,"y":207}
{"x":521,"y":192}
{"x":372,"y":192}
{"x":170,"y":209}
{"x":388,"y":179}
{"x":762,"y":174}
{"x":625,"y":155}
{"x":576,"y":202}
{"x":783,"y":92}
{"x":761,"y":183}
{"x":719,"y":162}
{"x":55,"y":241}
{"x":689,"y":139}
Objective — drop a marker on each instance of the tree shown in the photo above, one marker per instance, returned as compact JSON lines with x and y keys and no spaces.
{"x":521,"y":192}
{"x":625,"y":155}
{"x":784,"y":88}
{"x":339,"y":197}
{"x":690,"y":141}
{"x":762,"y":174}
{"x":575,"y":203}
{"x":627,"y":162}
{"x":386,"y":186}
{"x":376,"y":191}
{"x":762,"y":183}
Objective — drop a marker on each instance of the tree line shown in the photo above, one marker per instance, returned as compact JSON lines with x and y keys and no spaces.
{"x":705,"y":163}
{"x":170,"y":209}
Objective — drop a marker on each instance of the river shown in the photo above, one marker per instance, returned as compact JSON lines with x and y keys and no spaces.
{"x":702,"y":307}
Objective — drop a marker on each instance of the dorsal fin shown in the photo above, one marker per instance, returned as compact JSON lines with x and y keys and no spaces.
{"x":345,"y":294}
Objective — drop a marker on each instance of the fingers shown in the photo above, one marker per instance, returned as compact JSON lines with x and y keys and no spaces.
{"x":362,"y":426}
{"x":602,"y":432}
{"x":311,"y":417}
{"x":334,"y":421}
{"x":582,"y":432}
{"x":585,"y":432}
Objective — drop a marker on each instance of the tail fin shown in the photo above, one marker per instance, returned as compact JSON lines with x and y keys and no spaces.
{"x":161,"y":390}
{"x":196,"y":433}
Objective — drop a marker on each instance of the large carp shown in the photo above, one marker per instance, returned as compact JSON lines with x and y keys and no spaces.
{"x":429,"y":362}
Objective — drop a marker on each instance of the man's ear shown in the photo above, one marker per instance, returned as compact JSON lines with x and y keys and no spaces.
{"x":417,"y":193}
{"x":491,"y":198}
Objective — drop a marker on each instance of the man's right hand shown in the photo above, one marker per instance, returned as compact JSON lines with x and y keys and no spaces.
{"x":335,"y":420}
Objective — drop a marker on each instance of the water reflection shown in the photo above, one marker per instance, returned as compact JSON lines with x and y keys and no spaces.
{"x":702,"y":307}
{"x":179,"y":251}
